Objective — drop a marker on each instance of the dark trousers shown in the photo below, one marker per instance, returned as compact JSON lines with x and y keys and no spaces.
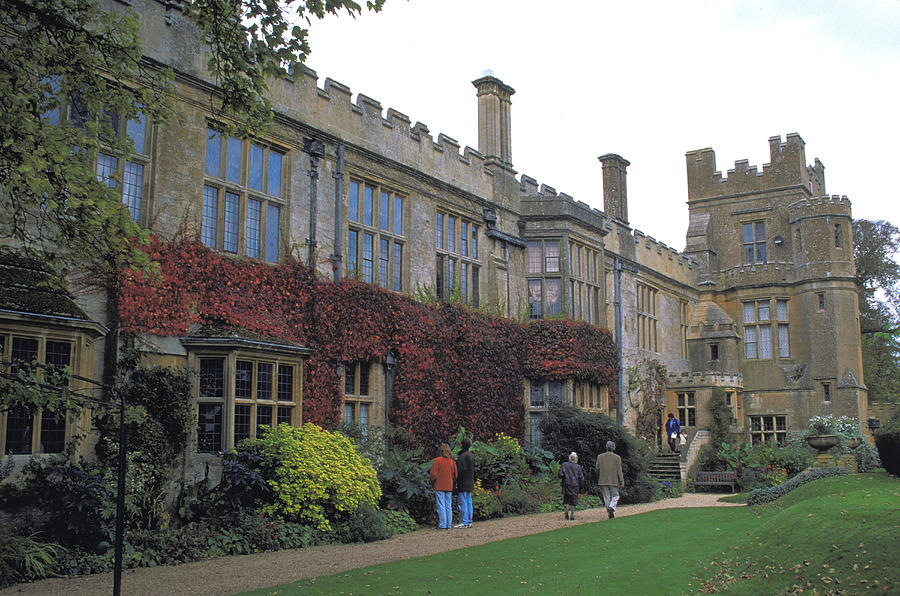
{"x":671,"y":444}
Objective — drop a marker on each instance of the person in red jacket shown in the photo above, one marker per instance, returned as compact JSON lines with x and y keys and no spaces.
{"x":443,"y":476}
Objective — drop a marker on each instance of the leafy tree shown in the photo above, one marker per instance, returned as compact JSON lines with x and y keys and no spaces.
{"x":876,"y":244}
{"x":87,"y":56}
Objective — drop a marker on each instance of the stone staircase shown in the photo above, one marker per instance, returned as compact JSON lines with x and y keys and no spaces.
{"x":666,"y":466}
{"x":675,"y":466}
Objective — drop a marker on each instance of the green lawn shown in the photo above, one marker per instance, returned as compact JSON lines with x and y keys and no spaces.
{"x":837,"y":535}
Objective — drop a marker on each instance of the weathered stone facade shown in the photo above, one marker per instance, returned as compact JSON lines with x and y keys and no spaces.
{"x":467,"y":220}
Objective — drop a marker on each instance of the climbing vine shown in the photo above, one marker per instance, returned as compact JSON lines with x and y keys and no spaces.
{"x":457,"y":367}
{"x":646,"y":390}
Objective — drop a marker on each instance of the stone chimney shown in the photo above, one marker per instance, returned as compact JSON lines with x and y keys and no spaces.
{"x":615,"y":190}
{"x":494,"y":125}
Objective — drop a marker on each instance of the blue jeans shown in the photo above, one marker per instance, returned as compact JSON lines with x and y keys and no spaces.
{"x":465,"y":508}
{"x":444,"y":500}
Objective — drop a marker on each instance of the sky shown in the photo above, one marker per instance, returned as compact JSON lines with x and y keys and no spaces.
{"x":648,"y":80}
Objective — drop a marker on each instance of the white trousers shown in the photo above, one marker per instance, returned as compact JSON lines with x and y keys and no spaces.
{"x":610,"y":495}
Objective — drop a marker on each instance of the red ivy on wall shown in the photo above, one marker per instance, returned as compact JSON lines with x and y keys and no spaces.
{"x":457,"y":367}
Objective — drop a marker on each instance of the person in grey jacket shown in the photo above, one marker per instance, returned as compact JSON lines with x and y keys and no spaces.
{"x":609,"y":477}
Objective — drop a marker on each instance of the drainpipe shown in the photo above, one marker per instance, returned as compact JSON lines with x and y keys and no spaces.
{"x":390,"y":361}
{"x":506,"y":259}
{"x":316,"y":149}
{"x":337,"y":258}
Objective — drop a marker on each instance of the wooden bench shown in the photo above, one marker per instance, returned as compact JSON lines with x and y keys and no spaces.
{"x":728,"y":479}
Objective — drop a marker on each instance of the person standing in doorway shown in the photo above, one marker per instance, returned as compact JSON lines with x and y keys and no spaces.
{"x":572,"y":483}
{"x":465,"y":466}
{"x":673,"y":428}
{"x":609,"y":477}
{"x":443,"y":475}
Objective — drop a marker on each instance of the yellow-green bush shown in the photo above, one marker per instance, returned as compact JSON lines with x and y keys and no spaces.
{"x":315,"y":474}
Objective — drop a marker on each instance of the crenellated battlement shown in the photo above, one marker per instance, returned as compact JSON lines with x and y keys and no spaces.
{"x":705,"y":379}
{"x":834,"y":205}
{"x":544,"y":201}
{"x":654,"y":252}
{"x":787,"y":168}
{"x":363,"y":121}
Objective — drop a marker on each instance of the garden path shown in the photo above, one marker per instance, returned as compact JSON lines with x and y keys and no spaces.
{"x":230,"y":575}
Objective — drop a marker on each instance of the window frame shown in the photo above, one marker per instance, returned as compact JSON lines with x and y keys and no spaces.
{"x":755,"y":243}
{"x":231,"y":351}
{"x":761,"y":433}
{"x":39,"y":431}
{"x":546,"y":392}
{"x":647,"y":320}
{"x":686,"y":405}
{"x":368,"y":225}
{"x":118,"y":176}
{"x":236,"y":236}
{"x":777,"y":322}
{"x":549,"y":275}
{"x":458,"y":260}
{"x":584,"y":282}
{"x":362,"y":395}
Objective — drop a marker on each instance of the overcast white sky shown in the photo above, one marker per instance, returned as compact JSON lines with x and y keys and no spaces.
{"x":646,"y":80}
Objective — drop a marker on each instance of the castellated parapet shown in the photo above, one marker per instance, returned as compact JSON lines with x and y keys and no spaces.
{"x":705,"y":379}
{"x":824,"y":206}
{"x":787,"y":168}
{"x":365,"y":125}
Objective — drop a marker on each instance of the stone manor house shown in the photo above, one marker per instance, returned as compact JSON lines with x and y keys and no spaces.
{"x":761,"y":303}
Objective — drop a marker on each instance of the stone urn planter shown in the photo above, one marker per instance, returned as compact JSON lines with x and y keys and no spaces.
{"x":822,"y":443}
{"x":854,"y":443}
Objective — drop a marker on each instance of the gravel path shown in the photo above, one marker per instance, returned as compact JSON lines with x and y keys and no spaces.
{"x":230,"y":575}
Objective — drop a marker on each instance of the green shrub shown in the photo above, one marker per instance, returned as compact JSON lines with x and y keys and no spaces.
{"x":367,"y":524}
{"x":486,"y":502}
{"x":405,"y":484}
{"x":370,"y":440}
{"x":77,"y":499}
{"x":399,"y":522}
{"x":887,"y":440}
{"x":567,"y":429}
{"x":767,"y":495}
{"x":761,"y":465}
{"x":22,"y":558}
{"x":518,"y":497}
{"x":315,"y":475}
{"x":498,"y":460}
{"x":867,"y":459}
{"x":668,"y":489}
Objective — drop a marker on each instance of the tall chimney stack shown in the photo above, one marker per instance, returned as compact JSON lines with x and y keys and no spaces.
{"x":615,"y":190}
{"x":494,"y":124}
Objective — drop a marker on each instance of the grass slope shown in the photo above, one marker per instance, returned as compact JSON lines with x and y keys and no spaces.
{"x":836,"y":535}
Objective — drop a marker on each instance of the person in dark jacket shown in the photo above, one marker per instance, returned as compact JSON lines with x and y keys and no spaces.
{"x":572,"y":483}
{"x":673,"y":428}
{"x":465,"y":467}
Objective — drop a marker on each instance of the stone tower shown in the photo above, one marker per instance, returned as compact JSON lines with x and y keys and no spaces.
{"x":776,"y":255}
